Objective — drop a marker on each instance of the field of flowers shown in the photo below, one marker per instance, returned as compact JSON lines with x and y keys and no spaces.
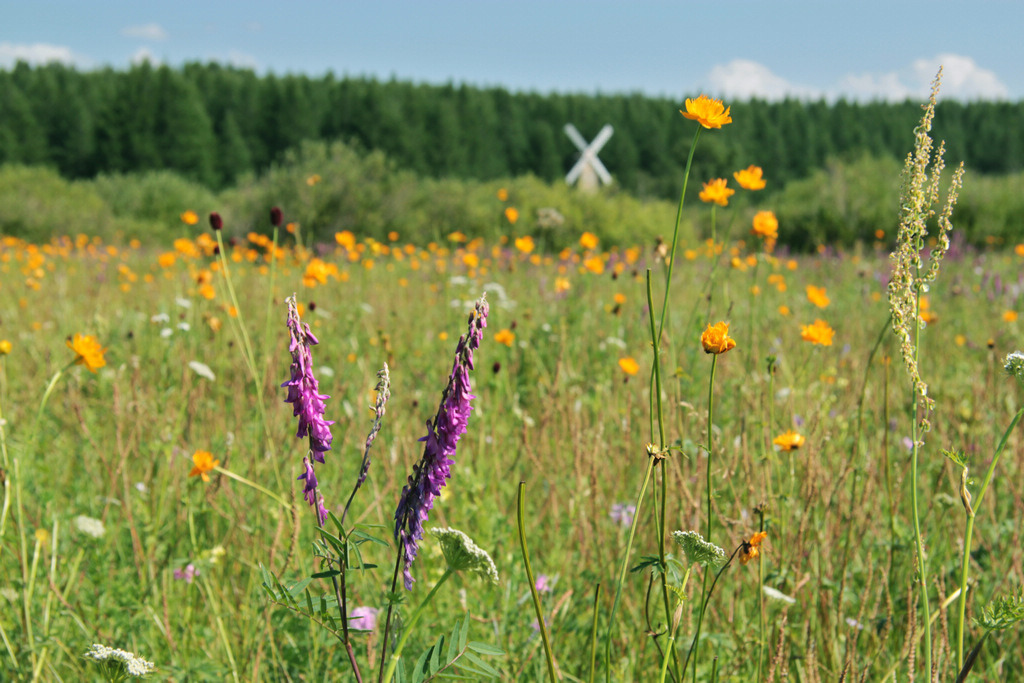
{"x":746,"y":499}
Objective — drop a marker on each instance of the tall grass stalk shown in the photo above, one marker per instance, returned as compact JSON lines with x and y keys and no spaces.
{"x":521,"y":525}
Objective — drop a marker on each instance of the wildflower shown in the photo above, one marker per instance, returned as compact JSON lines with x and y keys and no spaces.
{"x":90,"y":526}
{"x":512,"y":214}
{"x":43,"y":536}
{"x":124,"y":663}
{"x":189,"y":217}
{"x":1009,"y":316}
{"x":525,"y":244}
{"x":276,"y":216}
{"x":502,"y":195}
{"x":88,"y":351}
{"x":817,"y":296}
{"x":166,"y":259}
{"x":1014,"y":365}
{"x":708,"y":112}
{"x":750,"y":178}
{"x":543,"y":583}
{"x":716,"y":192}
{"x":443,"y":433}
{"x":697,"y":550}
{"x":562,"y":284}
{"x":307,"y":401}
{"x":784,"y":310}
{"x":715,"y":339}
{"x":789,"y":441}
{"x":505,"y":337}
{"x":766,"y":226}
{"x":5,"y":347}
{"x":818,"y":333}
{"x":462,"y":554}
{"x":629,"y":365}
{"x":204,"y":462}
{"x":188,"y":574}
{"x":594,"y":264}
{"x":313,"y":179}
{"x":216,"y":222}
{"x":622,"y":513}
{"x":752,"y":548}
{"x":363,"y":618}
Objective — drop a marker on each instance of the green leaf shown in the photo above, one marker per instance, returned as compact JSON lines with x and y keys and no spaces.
{"x":480,"y":665}
{"x":485,"y":649}
{"x":326,"y":574}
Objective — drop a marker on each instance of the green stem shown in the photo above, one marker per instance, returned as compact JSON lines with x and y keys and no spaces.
{"x":593,"y":632}
{"x":670,"y":648}
{"x":251,"y":484}
{"x":407,"y":630}
{"x":922,"y":565}
{"x":704,"y":583}
{"x":966,"y":562}
{"x":520,"y":522}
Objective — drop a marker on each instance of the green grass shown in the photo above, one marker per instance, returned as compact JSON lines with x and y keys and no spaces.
{"x":553,"y":410}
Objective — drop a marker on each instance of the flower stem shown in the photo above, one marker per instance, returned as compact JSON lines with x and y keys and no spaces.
{"x":700,"y":619}
{"x":922,"y":565}
{"x":407,"y":630}
{"x":966,"y":563}
{"x":520,"y":503}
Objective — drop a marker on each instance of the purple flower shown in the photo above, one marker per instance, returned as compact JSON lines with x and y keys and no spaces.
{"x":542,"y":584}
{"x":622,"y":513}
{"x":363,"y":618}
{"x":307,"y":403}
{"x":434,"y":467}
{"x":188,"y":574}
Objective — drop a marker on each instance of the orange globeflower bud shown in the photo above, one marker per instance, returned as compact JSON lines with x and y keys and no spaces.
{"x":716,"y":192}
{"x":716,"y":339}
{"x":750,"y":178}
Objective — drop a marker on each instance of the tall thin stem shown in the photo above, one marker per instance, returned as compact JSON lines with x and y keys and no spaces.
{"x":521,"y":524}
{"x":922,"y":564}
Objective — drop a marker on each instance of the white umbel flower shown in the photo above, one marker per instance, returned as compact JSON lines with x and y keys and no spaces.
{"x":126,"y":662}
{"x":461,"y":553}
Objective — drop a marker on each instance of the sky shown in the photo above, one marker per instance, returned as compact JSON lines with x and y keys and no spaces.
{"x":812,"y":49}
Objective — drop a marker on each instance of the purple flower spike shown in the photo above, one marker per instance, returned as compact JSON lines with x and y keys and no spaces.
{"x":307,"y":403}
{"x":434,"y":468}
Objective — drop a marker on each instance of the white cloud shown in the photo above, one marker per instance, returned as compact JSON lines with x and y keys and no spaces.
{"x":38,"y":53}
{"x":242,"y":60}
{"x":150,"y":31}
{"x":142,"y":55}
{"x":742,"y":79}
{"x":962,"y":79}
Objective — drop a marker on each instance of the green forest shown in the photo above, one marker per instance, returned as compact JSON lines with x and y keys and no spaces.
{"x":212,"y":123}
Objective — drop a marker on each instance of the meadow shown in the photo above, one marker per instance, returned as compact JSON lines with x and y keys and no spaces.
{"x":154,"y":484}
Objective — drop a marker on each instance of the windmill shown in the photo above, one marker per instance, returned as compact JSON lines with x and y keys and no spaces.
{"x":589,"y":170}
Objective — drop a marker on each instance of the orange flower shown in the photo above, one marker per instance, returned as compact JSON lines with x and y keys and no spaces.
{"x":706,"y":111}
{"x":619,"y":298}
{"x":313,"y":179}
{"x":512,"y":214}
{"x":5,"y":347}
{"x":716,"y":192}
{"x":594,"y":264}
{"x":189,"y":217}
{"x":715,"y":339}
{"x":629,"y":365}
{"x":927,"y":314}
{"x":204,"y":463}
{"x":783,"y":309}
{"x":818,"y":333}
{"x":817,"y":296}
{"x":505,"y":337}
{"x":88,"y":351}
{"x":588,"y":240}
{"x":562,"y":284}
{"x":525,"y":244}
{"x":789,"y":441}
{"x":503,"y":195}
{"x":750,"y":178}
{"x":1009,"y":316}
{"x":752,"y":548}
{"x":766,"y":226}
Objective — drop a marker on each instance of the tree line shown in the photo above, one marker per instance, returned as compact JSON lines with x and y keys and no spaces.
{"x":213,"y":123}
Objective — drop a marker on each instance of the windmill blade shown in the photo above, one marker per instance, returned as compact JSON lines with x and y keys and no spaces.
{"x":575,"y":171}
{"x":575,"y":136}
{"x":602,"y":138}
{"x":601,"y":171}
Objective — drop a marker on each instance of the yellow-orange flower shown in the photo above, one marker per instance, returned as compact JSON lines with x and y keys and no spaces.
{"x":512,"y":214}
{"x":313,"y":179}
{"x":204,"y":463}
{"x":789,"y":440}
{"x":752,"y":548}
{"x":503,"y":195}
{"x":525,"y":244}
{"x":588,"y":240}
{"x":562,"y":284}
{"x":716,"y":192}
{"x":750,"y":178}
{"x":1009,"y":316}
{"x":88,"y":351}
{"x":505,"y":337}
{"x":5,"y":347}
{"x":1019,"y":250}
{"x":595,"y":264}
{"x":715,"y":339}
{"x":817,"y":296}
{"x":927,"y":314}
{"x":818,"y":333}
{"x":708,"y":112}
{"x":629,"y":365}
{"x":766,"y":226}
{"x":189,"y":217}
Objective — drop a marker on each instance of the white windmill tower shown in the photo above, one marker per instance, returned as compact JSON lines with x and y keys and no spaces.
{"x":589,"y":170}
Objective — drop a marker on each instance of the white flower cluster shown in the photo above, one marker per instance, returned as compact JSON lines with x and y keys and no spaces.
{"x":697,"y":550}
{"x":133,"y":666}
{"x":1014,"y":365}
{"x":461,"y":553}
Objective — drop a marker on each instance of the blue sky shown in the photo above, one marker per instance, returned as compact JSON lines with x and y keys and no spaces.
{"x":824,"y":48}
